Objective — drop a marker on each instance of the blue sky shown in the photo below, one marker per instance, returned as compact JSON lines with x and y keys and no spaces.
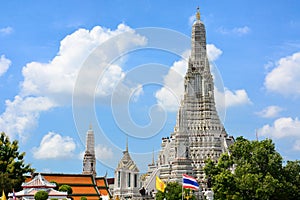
{"x":46,"y":49}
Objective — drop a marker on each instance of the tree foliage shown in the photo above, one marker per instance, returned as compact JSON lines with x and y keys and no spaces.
{"x":41,"y":195}
{"x":173,"y":191}
{"x":66,"y":188}
{"x":56,"y":185}
{"x":12,"y":165}
{"x":253,"y":170}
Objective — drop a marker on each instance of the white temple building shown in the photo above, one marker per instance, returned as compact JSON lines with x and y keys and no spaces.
{"x":126,"y":179}
{"x":199,"y":133}
{"x":38,"y":183}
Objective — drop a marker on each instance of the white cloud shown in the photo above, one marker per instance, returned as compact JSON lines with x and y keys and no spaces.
{"x":241,"y":30}
{"x":4,"y":64}
{"x":103,"y":152}
{"x":109,"y":80}
{"x":56,"y":79}
{"x":168,"y":99}
{"x":270,"y":111}
{"x":282,"y":128}
{"x":55,"y":146}
{"x":137,"y":92}
{"x":235,"y":98}
{"x":21,"y":114}
{"x":213,"y":53}
{"x":192,"y":19}
{"x":235,"y":31}
{"x":269,"y":65}
{"x":227,"y":98}
{"x":169,"y":96}
{"x":46,"y":170}
{"x":285,"y":77}
{"x":285,"y":127}
{"x":296,"y":146}
{"x":6,"y":31}
{"x":53,"y":82}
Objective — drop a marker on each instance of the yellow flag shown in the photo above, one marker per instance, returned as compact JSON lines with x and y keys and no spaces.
{"x":3,"y":195}
{"x":160,"y":185}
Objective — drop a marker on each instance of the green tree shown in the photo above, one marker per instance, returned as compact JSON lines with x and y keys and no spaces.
{"x":83,"y":198}
{"x":41,"y":195}
{"x":291,"y":172}
{"x":253,"y":170}
{"x":57,"y":185}
{"x":66,"y":188}
{"x":173,"y":191}
{"x":12,"y":165}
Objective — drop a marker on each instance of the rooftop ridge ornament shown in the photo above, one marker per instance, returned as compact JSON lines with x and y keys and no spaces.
{"x":126,"y":143}
{"x":198,"y":13}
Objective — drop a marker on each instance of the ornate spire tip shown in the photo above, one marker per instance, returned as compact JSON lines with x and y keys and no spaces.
{"x":126,"y":143}
{"x":198,"y":14}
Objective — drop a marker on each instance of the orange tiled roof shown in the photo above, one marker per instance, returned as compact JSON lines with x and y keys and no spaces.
{"x":81,"y":184}
{"x":88,"y":197}
{"x":102,"y":185}
{"x":103,"y":192}
{"x":84,"y":190}
{"x":100,"y":182}
{"x":70,"y":178}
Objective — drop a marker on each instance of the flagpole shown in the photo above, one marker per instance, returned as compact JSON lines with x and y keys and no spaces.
{"x":182,"y":188}
{"x":182,"y":192}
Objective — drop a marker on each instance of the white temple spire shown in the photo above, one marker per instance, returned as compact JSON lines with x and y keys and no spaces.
{"x":89,"y":160}
{"x":198,"y":133}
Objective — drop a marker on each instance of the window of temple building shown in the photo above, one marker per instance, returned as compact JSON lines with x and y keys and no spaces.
{"x":135,"y":180}
{"x":119,"y":179}
{"x":129,"y":181}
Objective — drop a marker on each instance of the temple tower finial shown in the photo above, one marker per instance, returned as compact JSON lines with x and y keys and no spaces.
{"x":198,"y":13}
{"x":126,"y":143}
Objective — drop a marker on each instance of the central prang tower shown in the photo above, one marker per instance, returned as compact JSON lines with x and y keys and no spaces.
{"x":198,"y":120}
{"x":198,"y":133}
{"x":89,"y":159}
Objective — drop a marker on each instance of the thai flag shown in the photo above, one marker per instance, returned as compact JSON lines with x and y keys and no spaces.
{"x":189,"y":182}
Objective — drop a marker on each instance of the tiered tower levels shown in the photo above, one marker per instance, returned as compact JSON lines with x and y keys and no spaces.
{"x":198,"y":133}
